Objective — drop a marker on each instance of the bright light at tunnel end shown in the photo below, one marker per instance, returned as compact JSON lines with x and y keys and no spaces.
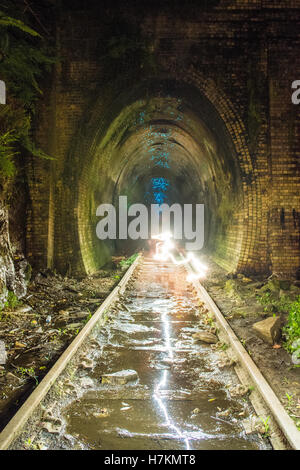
{"x":163,"y":252}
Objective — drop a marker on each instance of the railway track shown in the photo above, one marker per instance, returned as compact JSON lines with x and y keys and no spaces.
{"x":136,"y":378}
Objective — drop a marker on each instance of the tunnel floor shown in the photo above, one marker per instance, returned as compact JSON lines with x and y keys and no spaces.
{"x":180,"y":398}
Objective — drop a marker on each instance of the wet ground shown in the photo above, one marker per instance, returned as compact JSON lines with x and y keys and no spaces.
{"x":180,"y":398}
{"x":240,"y":301}
{"x":38,"y":329}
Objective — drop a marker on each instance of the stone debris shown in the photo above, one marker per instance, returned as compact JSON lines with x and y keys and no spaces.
{"x":23,"y":309}
{"x":269,"y":330}
{"x":225,"y":361}
{"x":50,"y":423}
{"x":238,"y":390}
{"x":120,"y":377}
{"x":52,"y":427}
{"x":253,"y":425}
{"x":205,"y":337}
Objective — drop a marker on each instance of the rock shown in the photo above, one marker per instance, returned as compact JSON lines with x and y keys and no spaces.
{"x":238,"y":390}
{"x":269,"y":330}
{"x":120,"y":378}
{"x":23,"y":309}
{"x":205,"y":337}
{"x":52,"y":428}
{"x":3,"y":355}
{"x":253,"y":425}
{"x":226,"y":362}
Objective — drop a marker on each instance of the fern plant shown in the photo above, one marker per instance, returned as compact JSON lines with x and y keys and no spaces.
{"x":24,"y":58}
{"x":292,"y":328}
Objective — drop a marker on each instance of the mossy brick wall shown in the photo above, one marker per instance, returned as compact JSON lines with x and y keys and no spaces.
{"x":241,"y":56}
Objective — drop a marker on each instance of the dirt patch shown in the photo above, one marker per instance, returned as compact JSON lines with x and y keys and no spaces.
{"x":239,"y":299}
{"x":38,"y":329}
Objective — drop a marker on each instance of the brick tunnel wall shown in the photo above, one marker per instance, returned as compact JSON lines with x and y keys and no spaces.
{"x":243,"y":55}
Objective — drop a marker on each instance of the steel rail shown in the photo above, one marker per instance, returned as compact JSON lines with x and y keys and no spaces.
{"x":19,"y":420}
{"x":283,"y":420}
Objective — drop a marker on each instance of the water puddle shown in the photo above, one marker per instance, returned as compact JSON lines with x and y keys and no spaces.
{"x":180,"y":399}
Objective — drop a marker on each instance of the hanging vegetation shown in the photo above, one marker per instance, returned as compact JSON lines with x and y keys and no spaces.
{"x":24,"y":57}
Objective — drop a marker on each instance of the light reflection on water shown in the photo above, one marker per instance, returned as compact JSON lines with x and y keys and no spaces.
{"x":164,"y":380}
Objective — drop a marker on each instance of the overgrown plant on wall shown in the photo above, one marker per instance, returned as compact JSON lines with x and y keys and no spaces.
{"x":24,"y":58}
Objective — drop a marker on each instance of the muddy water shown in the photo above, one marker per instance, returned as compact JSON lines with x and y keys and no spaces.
{"x":180,"y":392}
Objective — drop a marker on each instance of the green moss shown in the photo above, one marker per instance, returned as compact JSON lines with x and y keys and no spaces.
{"x":128,"y":262}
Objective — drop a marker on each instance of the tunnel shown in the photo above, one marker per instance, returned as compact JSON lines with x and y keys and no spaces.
{"x":162,"y":141}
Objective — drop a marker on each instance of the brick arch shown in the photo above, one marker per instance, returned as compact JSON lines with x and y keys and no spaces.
{"x":73,"y":246}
